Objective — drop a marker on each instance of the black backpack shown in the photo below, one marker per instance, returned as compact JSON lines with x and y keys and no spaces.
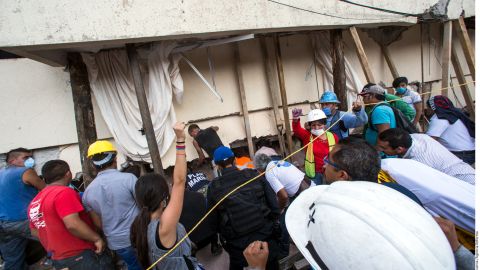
{"x":400,"y":119}
{"x":244,"y":211}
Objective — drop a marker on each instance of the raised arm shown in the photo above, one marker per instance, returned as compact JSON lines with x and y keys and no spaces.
{"x":356,"y":119}
{"x":171,"y":215}
{"x":298,"y":130}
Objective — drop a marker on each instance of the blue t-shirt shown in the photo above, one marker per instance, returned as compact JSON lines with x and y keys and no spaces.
{"x":379,"y":115}
{"x":16,"y":195}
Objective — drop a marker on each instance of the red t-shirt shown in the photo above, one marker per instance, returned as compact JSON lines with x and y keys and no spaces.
{"x":320,"y":148}
{"x":46,"y":213}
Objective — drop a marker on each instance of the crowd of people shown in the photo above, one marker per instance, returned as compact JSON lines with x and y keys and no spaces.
{"x":260,"y":206}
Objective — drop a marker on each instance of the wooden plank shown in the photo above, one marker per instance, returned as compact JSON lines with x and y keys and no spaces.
{"x":283,"y":93}
{"x":272,"y":79}
{"x":361,"y":55}
{"x":446,"y":56}
{"x":243,"y":99}
{"x":461,"y":80}
{"x":83,"y":108}
{"x":388,"y":59}
{"x":144,"y":110}
{"x":467,"y":47}
{"x":338,"y":65}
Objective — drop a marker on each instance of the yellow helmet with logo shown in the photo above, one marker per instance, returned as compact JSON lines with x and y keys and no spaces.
{"x":99,"y":147}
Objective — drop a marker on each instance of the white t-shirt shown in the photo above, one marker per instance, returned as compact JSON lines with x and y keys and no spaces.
{"x":428,"y":151}
{"x":454,"y":137}
{"x":411,"y":97}
{"x":284,"y":175}
{"x":441,"y":194}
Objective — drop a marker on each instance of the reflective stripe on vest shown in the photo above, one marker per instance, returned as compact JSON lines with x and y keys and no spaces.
{"x":309,"y":157}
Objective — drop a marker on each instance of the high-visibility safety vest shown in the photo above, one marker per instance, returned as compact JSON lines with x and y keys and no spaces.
{"x":384,"y":177}
{"x":309,"y":157}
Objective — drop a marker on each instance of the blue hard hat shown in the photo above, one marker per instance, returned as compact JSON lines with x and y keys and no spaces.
{"x":222,"y":153}
{"x":329,"y":97}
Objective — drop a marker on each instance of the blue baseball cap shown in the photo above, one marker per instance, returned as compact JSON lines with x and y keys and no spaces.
{"x":222,"y":153}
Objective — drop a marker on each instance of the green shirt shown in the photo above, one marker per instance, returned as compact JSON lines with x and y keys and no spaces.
{"x":399,"y":104}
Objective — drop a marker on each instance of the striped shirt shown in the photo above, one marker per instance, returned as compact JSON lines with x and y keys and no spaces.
{"x":428,"y":151}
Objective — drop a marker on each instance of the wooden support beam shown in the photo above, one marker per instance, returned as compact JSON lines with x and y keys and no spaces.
{"x":361,"y":55}
{"x":144,"y":109}
{"x":446,"y":56}
{"x":243,"y":99}
{"x":283,"y":93}
{"x":270,"y":67}
{"x":388,"y":59}
{"x":338,"y":64}
{"x":461,"y":80}
{"x":83,"y":108}
{"x":468,"y":50}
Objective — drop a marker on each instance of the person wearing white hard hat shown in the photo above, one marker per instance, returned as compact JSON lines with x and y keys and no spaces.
{"x":317,"y":148}
{"x":362,"y":225}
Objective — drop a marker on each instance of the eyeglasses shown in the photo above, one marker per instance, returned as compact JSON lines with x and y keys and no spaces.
{"x":329,"y":162}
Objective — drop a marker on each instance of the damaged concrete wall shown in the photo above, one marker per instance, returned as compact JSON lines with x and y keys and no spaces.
{"x":38,"y":99}
{"x":44,"y":23}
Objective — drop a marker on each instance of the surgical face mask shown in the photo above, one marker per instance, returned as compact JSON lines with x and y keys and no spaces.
{"x":29,"y":162}
{"x":327,"y":111}
{"x":401,"y":90}
{"x":317,"y":132}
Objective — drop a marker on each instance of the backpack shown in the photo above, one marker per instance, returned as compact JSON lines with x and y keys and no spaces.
{"x":400,"y":119}
{"x":244,"y":211}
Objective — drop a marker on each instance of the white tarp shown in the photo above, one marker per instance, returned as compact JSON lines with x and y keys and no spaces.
{"x":113,"y":88}
{"x":322,"y":48}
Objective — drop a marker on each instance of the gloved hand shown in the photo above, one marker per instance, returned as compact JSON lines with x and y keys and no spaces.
{"x":296,"y":113}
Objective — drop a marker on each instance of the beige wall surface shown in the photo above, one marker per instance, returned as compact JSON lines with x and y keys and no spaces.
{"x":37,"y":109}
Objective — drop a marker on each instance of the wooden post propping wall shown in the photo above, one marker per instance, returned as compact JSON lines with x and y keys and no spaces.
{"x":461,"y":80}
{"x":388,"y":59}
{"x":283,"y":93}
{"x":243,"y":99}
{"x":462,"y":34}
{"x":361,"y":55}
{"x":446,"y":56}
{"x":270,"y":67}
{"x":144,"y":110}
{"x":338,"y":64}
{"x":83,"y":108}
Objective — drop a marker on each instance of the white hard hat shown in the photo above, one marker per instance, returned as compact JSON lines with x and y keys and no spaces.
{"x":364,"y":225}
{"x":315,"y":115}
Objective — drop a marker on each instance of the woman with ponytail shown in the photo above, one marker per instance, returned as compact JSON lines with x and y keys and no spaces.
{"x":156,"y":228}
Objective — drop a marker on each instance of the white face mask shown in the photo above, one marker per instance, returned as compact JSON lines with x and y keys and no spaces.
{"x":317,"y":132}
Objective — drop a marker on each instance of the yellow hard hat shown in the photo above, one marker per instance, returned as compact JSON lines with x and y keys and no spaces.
{"x":99,"y":147}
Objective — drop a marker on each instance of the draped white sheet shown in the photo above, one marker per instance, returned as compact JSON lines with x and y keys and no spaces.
{"x":112,"y":85}
{"x":322,"y":47}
